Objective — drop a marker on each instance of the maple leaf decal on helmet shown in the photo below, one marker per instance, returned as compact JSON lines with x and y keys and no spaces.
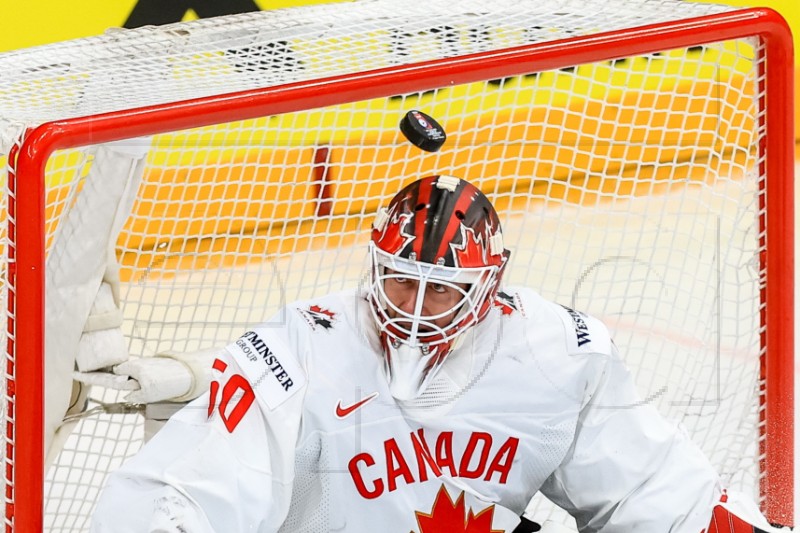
{"x":448,"y":516}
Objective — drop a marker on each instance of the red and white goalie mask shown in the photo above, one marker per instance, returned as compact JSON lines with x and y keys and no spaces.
{"x":437,"y":258}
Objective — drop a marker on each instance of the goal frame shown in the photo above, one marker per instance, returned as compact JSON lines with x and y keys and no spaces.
{"x":24,"y":468}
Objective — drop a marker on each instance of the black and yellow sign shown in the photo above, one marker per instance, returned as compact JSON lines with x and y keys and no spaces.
{"x":158,"y":12}
{"x":31,"y":23}
{"x":27,"y":23}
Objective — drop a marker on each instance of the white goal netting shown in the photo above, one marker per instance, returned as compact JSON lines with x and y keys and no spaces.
{"x":630,"y":187}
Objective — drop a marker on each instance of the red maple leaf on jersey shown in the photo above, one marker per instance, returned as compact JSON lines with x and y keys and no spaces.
{"x":505,"y":302}
{"x":320,"y":316}
{"x":318,"y":309}
{"x":448,"y":516}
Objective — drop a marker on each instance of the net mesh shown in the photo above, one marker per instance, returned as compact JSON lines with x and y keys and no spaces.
{"x":628,"y":189}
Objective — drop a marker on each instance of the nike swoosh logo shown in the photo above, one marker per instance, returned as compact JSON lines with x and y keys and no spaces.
{"x":342,"y":412}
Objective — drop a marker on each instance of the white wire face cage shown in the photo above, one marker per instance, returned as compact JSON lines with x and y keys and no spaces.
{"x":416,"y":340}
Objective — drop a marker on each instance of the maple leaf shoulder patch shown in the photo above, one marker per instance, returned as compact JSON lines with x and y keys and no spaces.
{"x":508,"y":303}
{"x":318,"y":317}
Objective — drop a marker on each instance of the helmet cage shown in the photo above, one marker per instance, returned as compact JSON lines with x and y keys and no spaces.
{"x":421,"y":331}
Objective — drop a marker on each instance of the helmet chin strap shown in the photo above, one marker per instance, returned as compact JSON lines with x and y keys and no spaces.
{"x":410,"y":370}
{"x":403,"y":369}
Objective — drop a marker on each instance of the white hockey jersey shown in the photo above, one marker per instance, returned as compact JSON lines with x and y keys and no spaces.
{"x":298,"y":433}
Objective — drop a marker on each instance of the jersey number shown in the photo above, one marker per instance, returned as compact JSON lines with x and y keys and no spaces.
{"x":236,"y":389}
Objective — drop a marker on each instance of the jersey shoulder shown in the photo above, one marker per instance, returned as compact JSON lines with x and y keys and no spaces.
{"x":331,"y":327}
{"x":299,"y":321}
{"x":275,"y":355}
{"x":577,"y":331}
{"x":269,"y":363}
{"x":338,"y":312}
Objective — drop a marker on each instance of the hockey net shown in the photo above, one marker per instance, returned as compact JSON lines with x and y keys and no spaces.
{"x":639,"y":153}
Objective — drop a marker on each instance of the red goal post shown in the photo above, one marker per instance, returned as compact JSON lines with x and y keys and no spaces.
{"x":27,"y":233}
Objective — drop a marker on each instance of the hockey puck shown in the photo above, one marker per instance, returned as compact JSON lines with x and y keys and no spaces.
{"x":422,"y":131}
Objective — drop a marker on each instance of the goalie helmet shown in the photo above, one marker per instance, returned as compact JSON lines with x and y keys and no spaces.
{"x":437,"y":258}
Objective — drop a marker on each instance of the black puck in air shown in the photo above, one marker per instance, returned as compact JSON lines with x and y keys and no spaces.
{"x":422,"y":131}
